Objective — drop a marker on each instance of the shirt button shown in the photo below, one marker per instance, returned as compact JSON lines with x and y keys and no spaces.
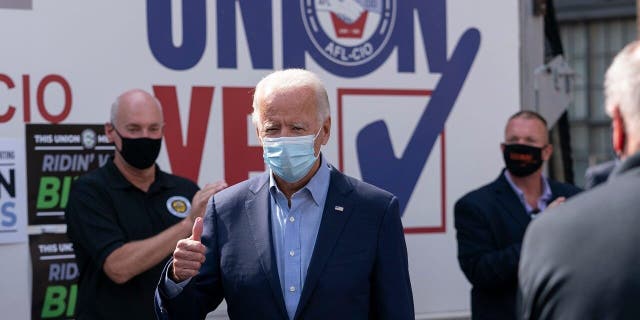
{"x":292,"y":289}
{"x":292,"y":219}
{"x":292,"y":253}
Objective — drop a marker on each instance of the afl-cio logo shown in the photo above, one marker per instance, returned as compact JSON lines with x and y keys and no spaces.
{"x":349,"y":32}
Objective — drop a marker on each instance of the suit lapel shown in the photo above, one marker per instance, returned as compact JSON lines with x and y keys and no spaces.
{"x":257,"y":210}
{"x":559,"y":190}
{"x":508,"y":199}
{"x":337,"y":210}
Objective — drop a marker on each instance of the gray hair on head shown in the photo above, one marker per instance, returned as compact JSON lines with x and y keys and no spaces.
{"x":622,"y":86}
{"x":292,"y":78}
{"x":114,"y":110}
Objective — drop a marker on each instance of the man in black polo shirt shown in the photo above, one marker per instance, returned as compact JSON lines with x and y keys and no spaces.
{"x":125,"y":218}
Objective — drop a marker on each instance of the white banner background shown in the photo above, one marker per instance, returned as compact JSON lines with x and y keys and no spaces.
{"x":101,"y":49}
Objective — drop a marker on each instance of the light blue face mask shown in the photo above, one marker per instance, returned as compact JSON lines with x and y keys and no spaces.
{"x":290,"y":158}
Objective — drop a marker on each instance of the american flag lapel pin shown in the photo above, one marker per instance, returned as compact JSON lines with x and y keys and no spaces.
{"x":338,"y":208}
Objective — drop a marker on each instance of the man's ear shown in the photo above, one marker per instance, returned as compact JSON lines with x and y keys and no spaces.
{"x":258,"y":135}
{"x":618,"y":135}
{"x":547,"y":151}
{"x":109,"y":131}
{"x":326,"y":127}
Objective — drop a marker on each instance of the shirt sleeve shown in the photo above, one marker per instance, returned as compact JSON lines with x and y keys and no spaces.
{"x":92,"y":221}
{"x":483,"y":263}
{"x":173,"y":289}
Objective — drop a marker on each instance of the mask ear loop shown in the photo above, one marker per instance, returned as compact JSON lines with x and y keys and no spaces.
{"x":317,"y":134}
{"x":119,"y":136}
{"x":314,"y":143}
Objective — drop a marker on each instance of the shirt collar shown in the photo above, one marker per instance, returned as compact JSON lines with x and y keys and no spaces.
{"x":117,"y":179}
{"x":317,"y":186}
{"x":632,"y":161}
{"x":546,"y":189}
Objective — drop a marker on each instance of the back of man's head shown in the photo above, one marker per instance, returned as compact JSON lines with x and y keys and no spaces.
{"x":622,"y":87}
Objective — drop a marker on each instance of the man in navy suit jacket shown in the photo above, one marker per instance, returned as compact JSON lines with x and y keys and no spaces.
{"x":302,"y":241}
{"x":491,"y":221}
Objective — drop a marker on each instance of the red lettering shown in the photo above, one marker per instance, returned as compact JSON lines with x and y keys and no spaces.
{"x":11,"y":110}
{"x":66,"y":109}
{"x":42,"y":108}
{"x":185,"y":159}
{"x":521,"y":157}
{"x":239,"y":157}
{"x":26,"y":98}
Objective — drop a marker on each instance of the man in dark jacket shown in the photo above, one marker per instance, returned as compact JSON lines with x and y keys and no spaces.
{"x":581,"y":261}
{"x":491,"y":220}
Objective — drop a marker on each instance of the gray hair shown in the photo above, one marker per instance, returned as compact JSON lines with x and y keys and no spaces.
{"x":114,"y":110}
{"x":115,"y":106}
{"x":622,"y":87}
{"x":292,"y":78}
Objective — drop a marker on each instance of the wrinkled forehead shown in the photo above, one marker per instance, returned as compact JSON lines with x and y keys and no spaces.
{"x":139,"y":111}
{"x":289,"y":101}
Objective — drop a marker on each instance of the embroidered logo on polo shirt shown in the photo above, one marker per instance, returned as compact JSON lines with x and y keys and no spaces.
{"x":179,"y":206}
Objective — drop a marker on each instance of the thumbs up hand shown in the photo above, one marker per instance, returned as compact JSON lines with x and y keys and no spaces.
{"x":196,"y":232}
{"x":189,"y":254}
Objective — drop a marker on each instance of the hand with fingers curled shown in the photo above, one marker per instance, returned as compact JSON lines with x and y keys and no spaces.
{"x":200,"y":199}
{"x":556,"y":202}
{"x":189,"y":254}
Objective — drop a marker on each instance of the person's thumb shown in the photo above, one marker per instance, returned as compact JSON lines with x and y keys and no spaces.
{"x":196,"y":232}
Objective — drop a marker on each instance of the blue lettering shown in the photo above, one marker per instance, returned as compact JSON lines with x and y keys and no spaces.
{"x":9,"y":217}
{"x":432,"y":17}
{"x":194,"y":33}
{"x":257,"y":18}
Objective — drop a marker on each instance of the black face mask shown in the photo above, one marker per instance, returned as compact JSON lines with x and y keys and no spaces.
{"x":140,"y":153}
{"x":522,"y":160}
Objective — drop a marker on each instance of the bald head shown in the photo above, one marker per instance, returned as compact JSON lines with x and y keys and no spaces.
{"x":136,"y":129}
{"x":136,"y":114}
{"x":134,"y":102}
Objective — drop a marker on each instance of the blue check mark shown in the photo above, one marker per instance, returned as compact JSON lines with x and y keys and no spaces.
{"x":378,"y":163}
